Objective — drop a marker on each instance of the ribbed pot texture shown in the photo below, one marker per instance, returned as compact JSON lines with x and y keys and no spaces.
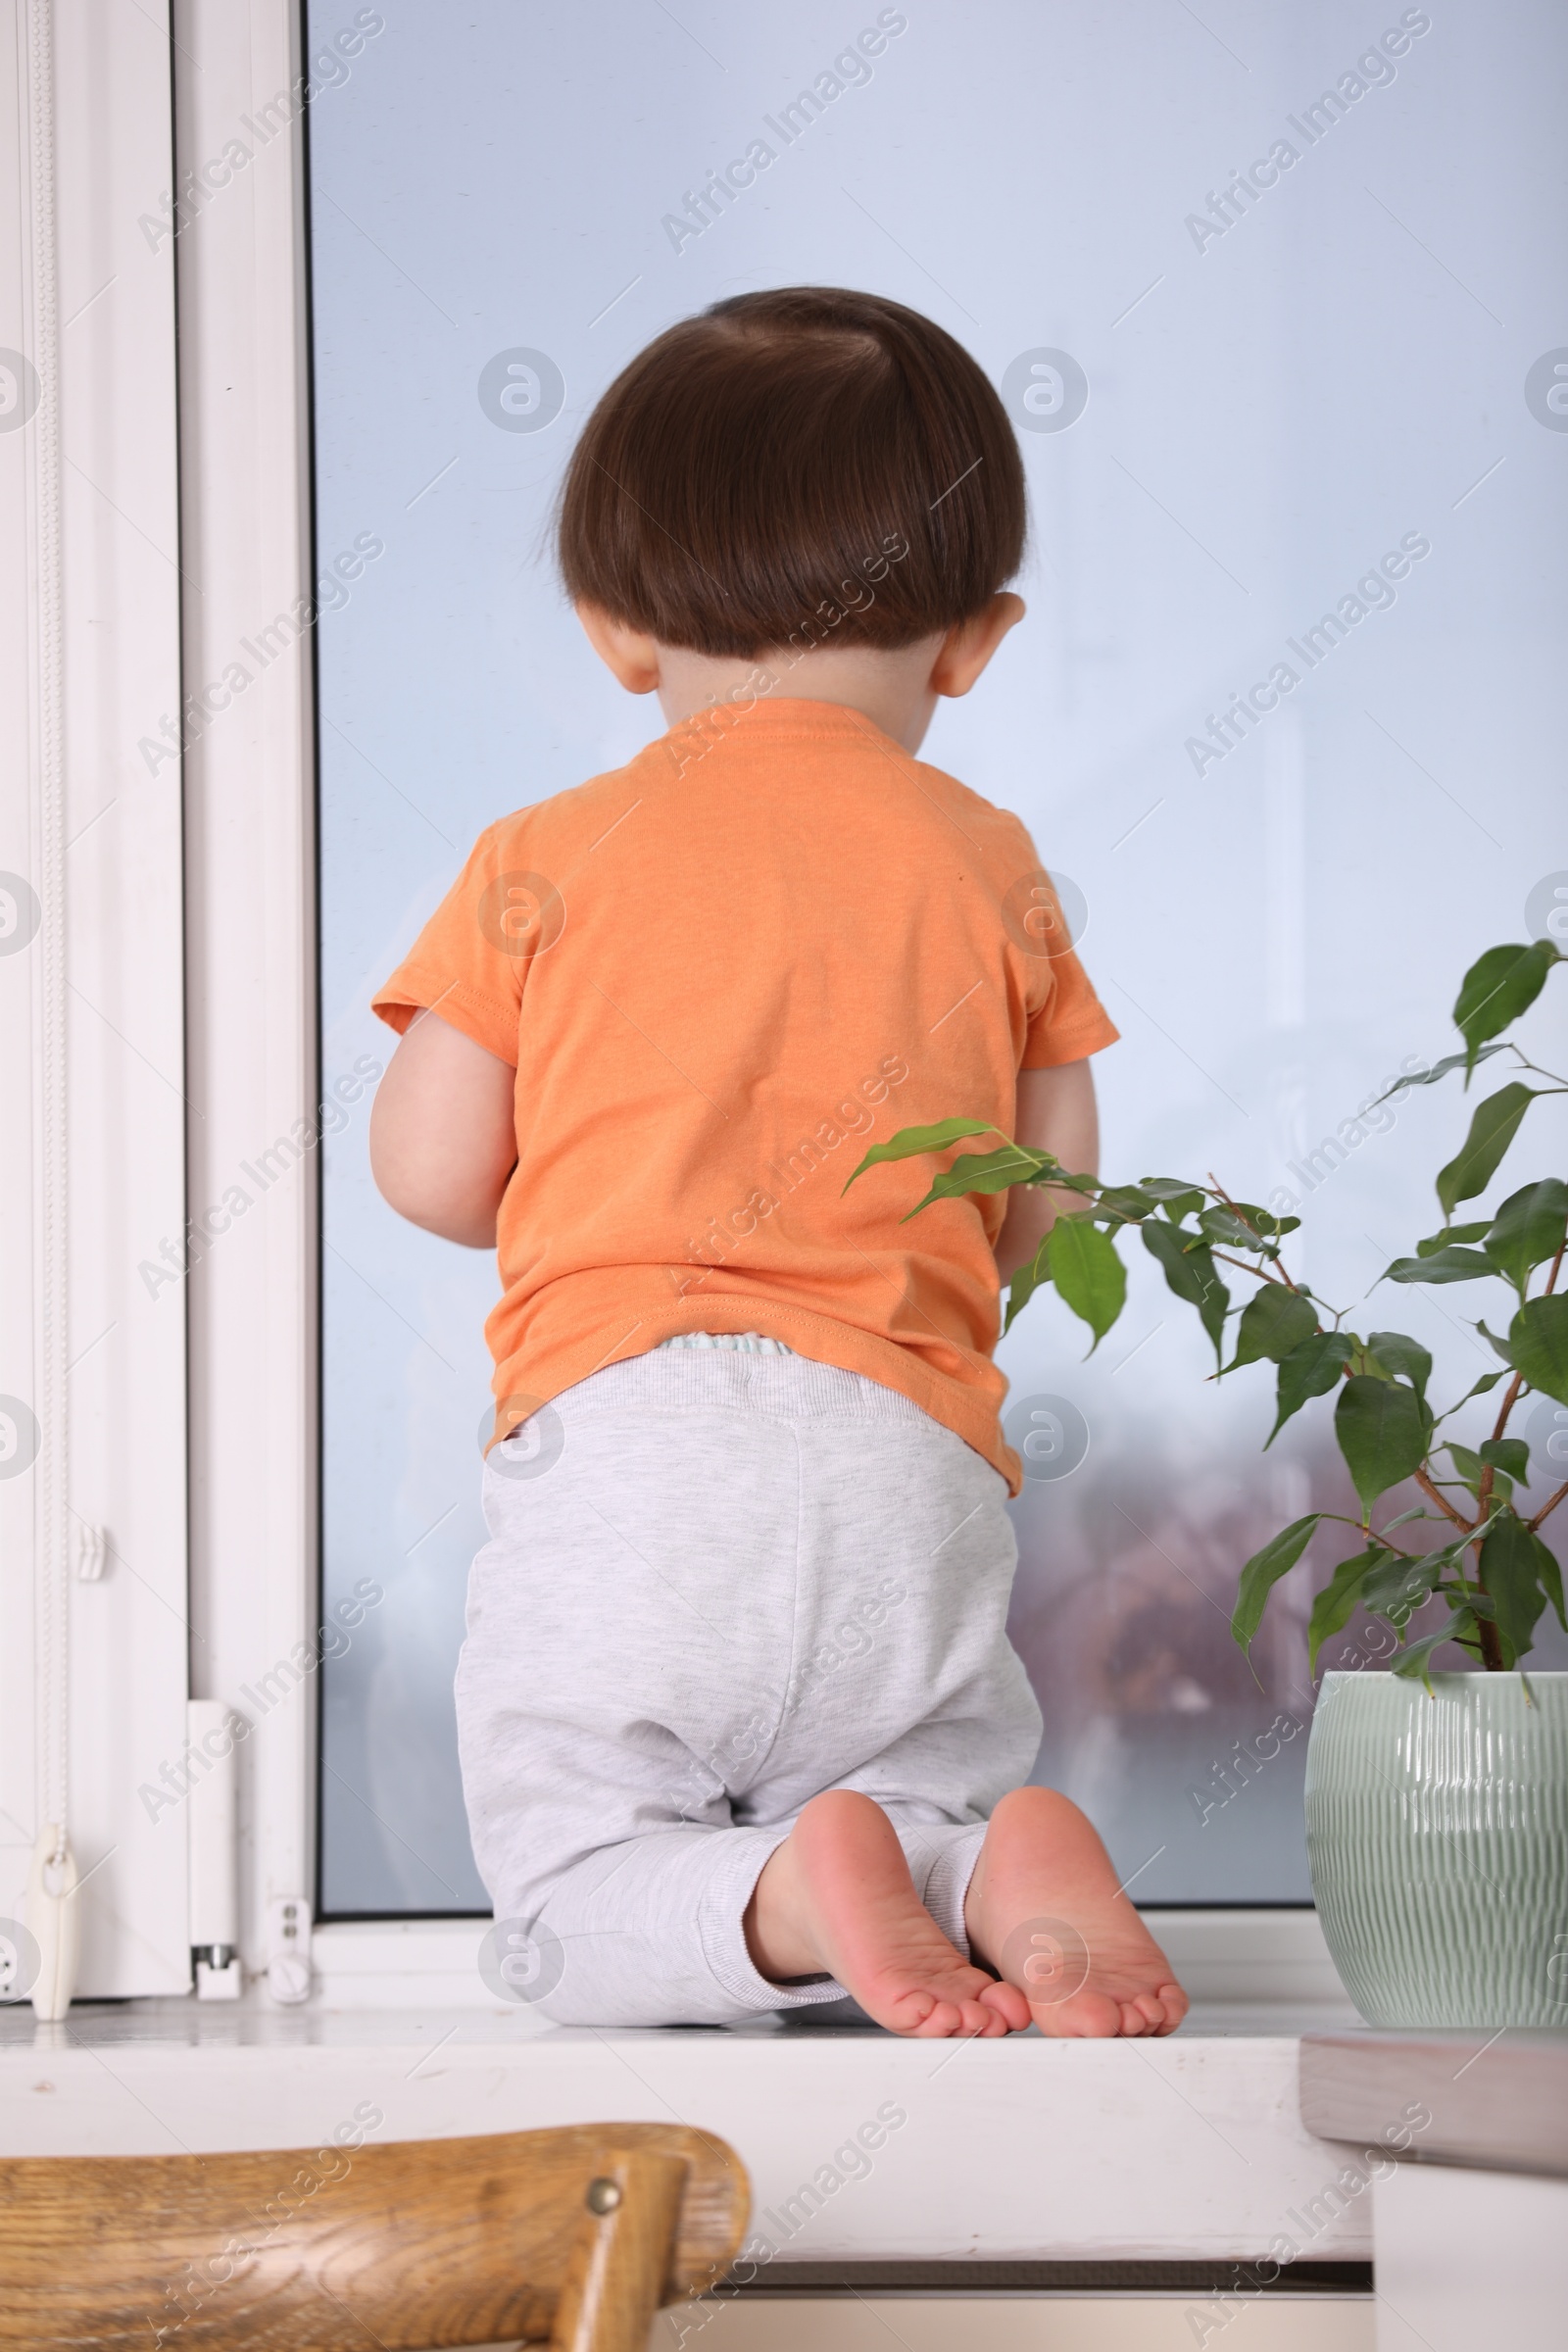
{"x":1436,"y":1829}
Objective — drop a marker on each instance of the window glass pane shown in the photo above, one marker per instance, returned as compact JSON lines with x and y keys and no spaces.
{"x":1305,"y":449}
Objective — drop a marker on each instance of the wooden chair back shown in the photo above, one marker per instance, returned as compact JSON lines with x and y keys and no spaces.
{"x":575,"y":2237}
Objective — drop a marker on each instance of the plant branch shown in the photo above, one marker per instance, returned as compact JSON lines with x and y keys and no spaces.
{"x":1424,"y":1479}
{"x":1486,"y":1634}
{"x":1517,"y":1382}
{"x":1548,"y":1507}
{"x":1491,"y":1639}
{"x":1222,"y":1195}
{"x":1489,"y":1475}
{"x":1525,"y":1064}
{"x":1490,"y":1644}
{"x":1511,"y":1398}
{"x":1257,"y":1272}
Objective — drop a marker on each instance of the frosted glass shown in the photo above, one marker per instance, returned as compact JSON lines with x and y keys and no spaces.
{"x":1231,"y":407}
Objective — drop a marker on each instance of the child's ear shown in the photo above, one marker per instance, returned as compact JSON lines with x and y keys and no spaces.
{"x":630,"y":654}
{"x":967,"y":648}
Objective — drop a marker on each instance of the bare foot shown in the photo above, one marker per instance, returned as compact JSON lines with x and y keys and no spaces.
{"x":837,"y":1898}
{"x":1044,"y":1909}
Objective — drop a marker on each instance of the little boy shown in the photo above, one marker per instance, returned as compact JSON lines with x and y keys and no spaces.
{"x":740,"y":1725}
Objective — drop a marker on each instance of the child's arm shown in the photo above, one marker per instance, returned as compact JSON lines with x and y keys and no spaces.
{"x":1056,"y":1113}
{"x":443,"y":1137}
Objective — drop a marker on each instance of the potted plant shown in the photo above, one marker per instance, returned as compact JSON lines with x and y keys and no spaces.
{"x":1437,"y":1802}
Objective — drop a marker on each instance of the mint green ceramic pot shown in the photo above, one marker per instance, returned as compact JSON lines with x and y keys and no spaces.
{"x":1437,"y":1827}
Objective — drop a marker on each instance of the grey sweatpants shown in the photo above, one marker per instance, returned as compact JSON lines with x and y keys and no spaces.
{"x":718,"y":1584}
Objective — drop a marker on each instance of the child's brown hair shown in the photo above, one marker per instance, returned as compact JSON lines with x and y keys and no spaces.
{"x":761,"y":464}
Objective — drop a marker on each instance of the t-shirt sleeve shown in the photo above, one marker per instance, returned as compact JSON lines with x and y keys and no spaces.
{"x":1067,"y":1019}
{"x":470,"y":961}
{"x":1071,"y":1025}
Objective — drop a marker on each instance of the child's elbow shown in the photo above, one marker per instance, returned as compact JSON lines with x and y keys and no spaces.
{"x":425,"y":1190}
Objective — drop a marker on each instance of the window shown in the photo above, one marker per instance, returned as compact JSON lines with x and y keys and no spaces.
{"x":1279,"y":720}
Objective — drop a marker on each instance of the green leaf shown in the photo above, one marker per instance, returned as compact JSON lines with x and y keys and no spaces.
{"x":910,"y":1142}
{"x":1529,"y":1229}
{"x":1439,"y":1069}
{"x":980,"y":1172}
{"x":1176,"y":1198}
{"x":1026,"y":1281}
{"x":1168,"y":1191}
{"x":1497,"y":987}
{"x":1310,"y":1369}
{"x":1264,"y":1221}
{"x":1443,"y":1265}
{"x":1416,"y":1658}
{"x":1406,"y":1358}
{"x":1401,"y":1586}
{"x":1087,"y":1269}
{"x":1051,"y":1171}
{"x":1551,"y":1574}
{"x":1263,"y":1571}
{"x":1452,"y":1233}
{"x":1466,"y":1461}
{"x":1129,"y":1201}
{"x":1336,"y":1602}
{"x":1483,"y":1387}
{"x":1491,"y":1131}
{"x":1190,"y":1272}
{"x":1382,"y":1428}
{"x":1509,"y":1454}
{"x":1498,"y":1347}
{"x":1273,"y":1322}
{"x":1510,"y":1570}
{"x":1228,"y":1231}
{"x":1538,"y":1337}
{"x":1470,"y":1466}
{"x":1453,"y":1555}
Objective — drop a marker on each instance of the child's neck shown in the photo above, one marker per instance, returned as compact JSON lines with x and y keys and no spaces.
{"x":893,"y":689}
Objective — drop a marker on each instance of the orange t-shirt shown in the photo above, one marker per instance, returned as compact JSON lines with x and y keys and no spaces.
{"x":721,"y":973}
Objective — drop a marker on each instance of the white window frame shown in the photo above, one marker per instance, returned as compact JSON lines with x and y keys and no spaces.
{"x":92,"y":1340}
{"x":245,"y":437}
{"x":241,"y":267}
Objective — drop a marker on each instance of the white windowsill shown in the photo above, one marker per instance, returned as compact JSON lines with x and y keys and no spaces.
{"x":1019,"y":2149}
{"x":1249,"y":1962}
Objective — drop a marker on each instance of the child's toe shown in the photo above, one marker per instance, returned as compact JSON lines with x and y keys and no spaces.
{"x":1009,"y":2005}
{"x":1087,"y":2016}
{"x":1175,"y":2005}
{"x":944,"y":2020}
